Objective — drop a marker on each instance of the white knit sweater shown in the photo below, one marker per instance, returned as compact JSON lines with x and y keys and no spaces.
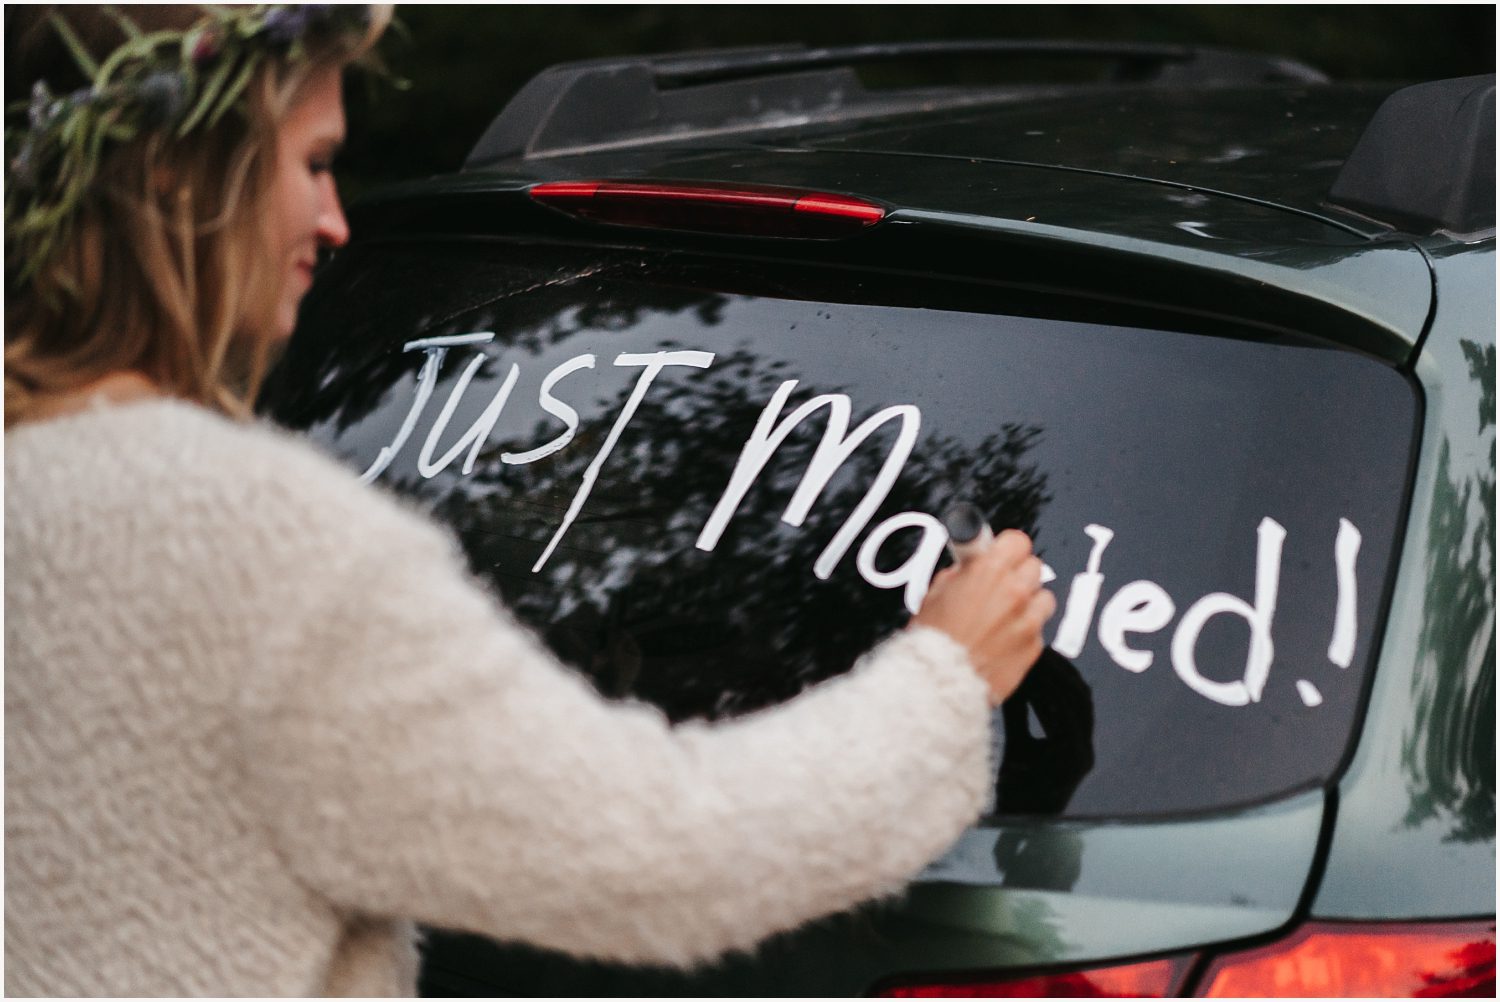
{"x":258,"y":719}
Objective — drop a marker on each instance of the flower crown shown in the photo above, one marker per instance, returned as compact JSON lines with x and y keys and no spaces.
{"x":159,"y":80}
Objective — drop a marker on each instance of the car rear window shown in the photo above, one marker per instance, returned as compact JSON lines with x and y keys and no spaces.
{"x":710,"y":485}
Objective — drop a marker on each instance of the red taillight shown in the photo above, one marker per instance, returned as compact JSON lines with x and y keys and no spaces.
{"x":1151,"y":979}
{"x":1320,"y":959}
{"x":716,"y":208}
{"x":1417,"y":960}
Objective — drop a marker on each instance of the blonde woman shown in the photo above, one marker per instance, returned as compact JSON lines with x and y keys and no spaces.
{"x":245,"y":749}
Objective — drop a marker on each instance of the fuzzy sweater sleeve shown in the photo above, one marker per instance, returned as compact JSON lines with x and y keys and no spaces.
{"x":414,"y":752}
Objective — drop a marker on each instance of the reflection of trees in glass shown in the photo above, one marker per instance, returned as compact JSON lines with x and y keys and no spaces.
{"x":347,"y":357}
{"x":1449,"y":752}
{"x":629,"y":599}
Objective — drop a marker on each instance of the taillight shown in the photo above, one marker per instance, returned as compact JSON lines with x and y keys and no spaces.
{"x":1150,"y":979}
{"x":1320,"y":959}
{"x":746,"y":210}
{"x":1416,"y":960}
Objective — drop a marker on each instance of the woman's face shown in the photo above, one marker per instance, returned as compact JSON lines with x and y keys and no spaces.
{"x":304,"y":202}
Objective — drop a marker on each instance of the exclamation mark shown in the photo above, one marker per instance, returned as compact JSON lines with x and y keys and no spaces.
{"x":1341,"y":647}
{"x":1345,"y":553}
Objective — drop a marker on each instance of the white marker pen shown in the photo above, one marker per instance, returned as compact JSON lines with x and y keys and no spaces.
{"x":969,"y":534}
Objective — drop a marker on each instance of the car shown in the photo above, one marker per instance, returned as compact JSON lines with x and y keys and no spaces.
{"x":696,"y":351}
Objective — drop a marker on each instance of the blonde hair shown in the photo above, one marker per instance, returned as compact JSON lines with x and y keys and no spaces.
{"x":167,"y":269}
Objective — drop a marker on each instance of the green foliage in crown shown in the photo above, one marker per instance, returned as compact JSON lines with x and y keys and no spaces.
{"x":173,"y":81}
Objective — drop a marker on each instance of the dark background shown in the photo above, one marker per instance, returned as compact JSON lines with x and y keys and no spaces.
{"x":464,"y":62}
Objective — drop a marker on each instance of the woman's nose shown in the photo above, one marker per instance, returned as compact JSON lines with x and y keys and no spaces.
{"x":333,"y":228}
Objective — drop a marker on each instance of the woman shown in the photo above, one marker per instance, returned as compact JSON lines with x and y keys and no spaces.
{"x":259,"y":719}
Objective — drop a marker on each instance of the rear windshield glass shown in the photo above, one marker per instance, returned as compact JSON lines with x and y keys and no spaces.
{"x":708,"y":487}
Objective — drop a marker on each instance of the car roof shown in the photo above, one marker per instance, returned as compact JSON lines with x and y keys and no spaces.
{"x":1218,"y":162}
{"x":1279,"y":145}
{"x":1419,"y":160}
{"x":1231,"y":154}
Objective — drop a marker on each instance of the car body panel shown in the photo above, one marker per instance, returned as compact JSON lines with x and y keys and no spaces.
{"x":1416,"y":831}
{"x":1358,"y":284}
{"x":1141,"y":889}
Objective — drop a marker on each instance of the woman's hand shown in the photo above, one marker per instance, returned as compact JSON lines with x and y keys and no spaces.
{"x":994,"y":606}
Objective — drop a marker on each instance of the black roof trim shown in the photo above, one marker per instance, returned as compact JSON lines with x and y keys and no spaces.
{"x":1426,"y":161}
{"x":582,"y":106}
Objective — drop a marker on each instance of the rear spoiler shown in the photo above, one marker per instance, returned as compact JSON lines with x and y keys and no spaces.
{"x":607,"y":103}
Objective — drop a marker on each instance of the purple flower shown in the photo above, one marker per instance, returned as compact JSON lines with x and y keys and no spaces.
{"x":162,"y":96}
{"x":284,"y":25}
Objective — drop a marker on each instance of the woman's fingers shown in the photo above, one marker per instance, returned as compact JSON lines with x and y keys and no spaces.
{"x":1009,"y":548}
{"x":1043,"y":605}
{"x":993,"y":604}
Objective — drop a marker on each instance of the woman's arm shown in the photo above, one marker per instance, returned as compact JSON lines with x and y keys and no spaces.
{"x":416,"y":753}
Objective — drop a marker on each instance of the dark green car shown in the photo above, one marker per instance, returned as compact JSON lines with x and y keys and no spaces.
{"x":692,"y":341}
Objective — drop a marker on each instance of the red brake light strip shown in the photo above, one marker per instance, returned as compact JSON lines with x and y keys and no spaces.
{"x":724,"y":208}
